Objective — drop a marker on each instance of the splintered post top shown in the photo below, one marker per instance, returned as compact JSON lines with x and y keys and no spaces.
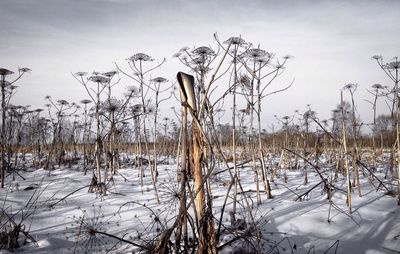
{"x":186,"y":83}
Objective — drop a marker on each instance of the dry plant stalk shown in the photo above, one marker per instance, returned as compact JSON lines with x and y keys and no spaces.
{"x":348,"y":199}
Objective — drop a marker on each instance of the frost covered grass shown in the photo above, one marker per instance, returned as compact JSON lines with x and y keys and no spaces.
{"x":65,"y":218}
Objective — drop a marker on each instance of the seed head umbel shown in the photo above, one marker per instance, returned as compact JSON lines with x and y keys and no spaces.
{"x":81,"y":74}
{"x":203,"y":51}
{"x":394,"y":65}
{"x":141,"y":57}
{"x":377,"y":86}
{"x":235,"y":41}
{"x":5,"y":72}
{"x":23,"y":70}
{"x":99,"y":79}
{"x":159,"y":80}
{"x":85,"y":101}
{"x":110,"y":74}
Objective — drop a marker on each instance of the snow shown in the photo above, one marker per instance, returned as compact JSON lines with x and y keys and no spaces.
{"x":130,"y":211}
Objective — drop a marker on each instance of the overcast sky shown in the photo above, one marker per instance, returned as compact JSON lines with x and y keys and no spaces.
{"x":332,"y":42}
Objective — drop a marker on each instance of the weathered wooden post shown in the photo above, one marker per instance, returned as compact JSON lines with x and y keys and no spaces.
{"x":188,"y":99}
{"x":183,"y":139}
{"x":207,"y":242}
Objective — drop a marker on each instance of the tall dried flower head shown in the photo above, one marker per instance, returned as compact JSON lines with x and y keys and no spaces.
{"x":63,"y":102}
{"x":350,"y":86}
{"x":113,"y":105}
{"x":377,"y":57}
{"x":309,"y":114}
{"x":110,"y":74}
{"x":203,"y":51}
{"x":133,"y":90}
{"x":183,"y":49}
{"x":159,"y":80}
{"x":254,"y":53}
{"x":23,"y":70}
{"x":180,"y":54}
{"x":5,"y":72}
{"x":394,"y":65}
{"x":288,"y":57}
{"x":85,"y":101}
{"x":141,"y":57}
{"x":99,"y":79}
{"x":81,"y":74}
{"x":264,"y":60}
{"x":235,"y":41}
{"x":151,"y":109}
{"x":177,"y":55}
{"x":377,"y":86}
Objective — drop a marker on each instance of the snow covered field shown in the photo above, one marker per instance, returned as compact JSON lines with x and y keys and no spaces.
{"x":67,"y":224}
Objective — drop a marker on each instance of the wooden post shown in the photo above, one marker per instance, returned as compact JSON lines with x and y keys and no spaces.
{"x":207,"y":237}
